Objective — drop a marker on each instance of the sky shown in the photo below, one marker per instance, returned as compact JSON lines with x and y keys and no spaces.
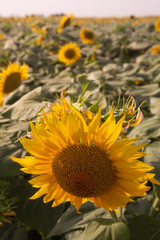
{"x":81,"y":8}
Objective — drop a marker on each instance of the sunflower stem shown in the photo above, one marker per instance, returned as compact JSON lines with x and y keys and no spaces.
{"x":121,"y":214}
{"x":155,"y":207}
{"x":130,"y":212}
{"x":114,"y":216}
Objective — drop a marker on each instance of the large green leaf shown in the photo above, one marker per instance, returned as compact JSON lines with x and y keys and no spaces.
{"x":34,"y":213}
{"x":15,"y":232}
{"x":154,"y":158}
{"x":144,"y":227}
{"x":10,"y":146}
{"x":144,"y":91}
{"x":7,"y":166}
{"x":141,"y":206}
{"x":60,"y":82}
{"x":103,"y":230}
{"x":26,"y":107}
{"x":149,"y":128}
{"x":72,"y":220}
{"x":155,"y":106}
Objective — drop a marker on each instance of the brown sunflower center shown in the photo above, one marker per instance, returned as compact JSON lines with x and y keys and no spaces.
{"x":84,"y":171}
{"x":89,"y":34}
{"x":12,"y":82}
{"x":70,"y":53}
{"x":67,"y":22}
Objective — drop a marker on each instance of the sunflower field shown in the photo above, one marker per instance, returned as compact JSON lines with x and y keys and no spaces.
{"x":79,"y":128}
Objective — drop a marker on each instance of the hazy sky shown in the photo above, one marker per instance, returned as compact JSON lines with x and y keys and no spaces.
{"x":90,"y":8}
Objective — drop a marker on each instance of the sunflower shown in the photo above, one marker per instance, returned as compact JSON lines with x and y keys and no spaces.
{"x":157,"y":25}
{"x":11,"y":77}
{"x":135,"y":23}
{"x":69,"y":53}
{"x":66,"y":21}
{"x":77,"y":162}
{"x":156,"y":49}
{"x":87,"y":35}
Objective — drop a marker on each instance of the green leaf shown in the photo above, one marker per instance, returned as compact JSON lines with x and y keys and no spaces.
{"x":58,"y":83}
{"x":34,"y":213}
{"x":10,"y":146}
{"x":141,"y":206}
{"x":144,"y":227}
{"x":95,"y":107}
{"x":154,"y":157}
{"x":84,"y":82}
{"x":104,"y":230}
{"x":149,"y":128}
{"x":7,"y":166}
{"x":26,"y":107}
{"x":15,"y":232}
{"x":144,"y":91}
{"x":72,"y":220}
{"x":155,"y":105}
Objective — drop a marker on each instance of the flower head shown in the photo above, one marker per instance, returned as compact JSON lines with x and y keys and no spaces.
{"x":156,"y":49}
{"x":69,"y":53}
{"x":135,"y":23}
{"x":87,"y":35}
{"x":11,"y":77}
{"x":76,"y":161}
{"x":61,"y":105}
{"x":66,"y":21}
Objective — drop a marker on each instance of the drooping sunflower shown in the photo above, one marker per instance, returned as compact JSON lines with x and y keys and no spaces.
{"x":156,"y":49}
{"x":65,"y":21}
{"x":87,"y":35}
{"x":69,"y":53}
{"x":157,"y":25}
{"x":77,"y":162}
{"x":60,"y":105}
{"x":11,"y":77}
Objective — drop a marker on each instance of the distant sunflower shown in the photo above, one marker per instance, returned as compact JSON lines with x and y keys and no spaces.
{"x":66,"y":21}
{"x":87,"y":35}
{"x":78,"y":162}
{"x":156,"y":49}
{"x":157,"y":25}
{"x":69,"y":53}
{"x":11,"y":77}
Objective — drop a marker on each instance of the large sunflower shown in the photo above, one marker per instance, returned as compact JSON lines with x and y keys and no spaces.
{"x":78,"y":162}
{"x":69,"y":53}
{"x":11,"y":77}
{"x":87,"y":35}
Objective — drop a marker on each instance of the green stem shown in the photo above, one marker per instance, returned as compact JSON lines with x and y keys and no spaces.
{"x":130,"y":212}
{"x":114,"y":216}
{"x":155,"y":207}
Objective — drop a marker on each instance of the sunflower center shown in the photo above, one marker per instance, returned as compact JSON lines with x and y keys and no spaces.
{"x":84,"y":171}
{"x":12,"y":82}
{"x":70,"y":53}
{"x":88,"y":34}
{"x":67,"y":22}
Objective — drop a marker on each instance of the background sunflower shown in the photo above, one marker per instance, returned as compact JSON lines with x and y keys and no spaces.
{"x":11,"y":77}
{"x":88,"y":36}
{"x":69,"y":53}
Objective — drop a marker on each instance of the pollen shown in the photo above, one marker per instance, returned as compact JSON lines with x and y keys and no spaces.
{"x":84,"y":171}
